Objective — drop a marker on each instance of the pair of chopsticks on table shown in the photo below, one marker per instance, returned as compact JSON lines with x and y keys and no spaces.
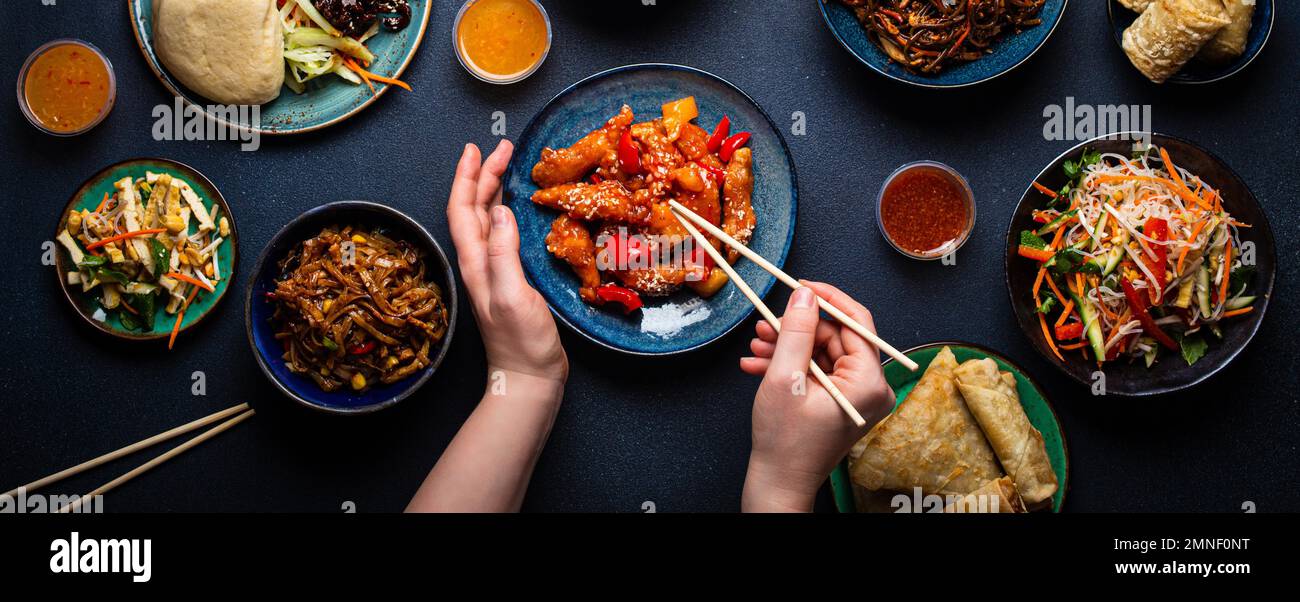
{"x":687,"y":217}
{"x":240,"y":412}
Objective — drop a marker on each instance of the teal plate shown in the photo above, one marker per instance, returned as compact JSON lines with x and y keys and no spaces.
{"x":92,"y":192}
{"x":1040,"y":413}
{"x":327,"y":101}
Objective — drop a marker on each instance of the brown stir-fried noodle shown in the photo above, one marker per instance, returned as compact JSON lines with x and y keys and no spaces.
{"x":926,"y":36}
{"x":354,"y":307}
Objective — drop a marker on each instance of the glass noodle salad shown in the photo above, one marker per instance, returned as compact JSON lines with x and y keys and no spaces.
{"x":329,"y":37}
{"x":1135,"y":254}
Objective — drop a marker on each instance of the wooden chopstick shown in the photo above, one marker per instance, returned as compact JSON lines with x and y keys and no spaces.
{"x":835,"y":312}
{"x":771,"y":318}
{"x":130,"y":449}
{"x":169,"y":454}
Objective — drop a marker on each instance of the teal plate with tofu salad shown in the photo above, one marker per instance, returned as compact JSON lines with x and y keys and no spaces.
{"x":146,"y":248}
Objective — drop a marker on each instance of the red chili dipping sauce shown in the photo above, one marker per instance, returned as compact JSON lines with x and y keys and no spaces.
{"x":925,"y":211}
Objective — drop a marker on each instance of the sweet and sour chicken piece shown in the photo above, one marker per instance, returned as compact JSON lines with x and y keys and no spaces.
{"x":738,"y":219}
{"x":570,"y":241}
{"x":566,"y":165}
{"x":606,"y":201}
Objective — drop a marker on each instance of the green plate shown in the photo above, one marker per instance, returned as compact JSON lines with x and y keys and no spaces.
{"x":89,"y":196}
{"x":327,"y":101}
{"x":1040,"y":413}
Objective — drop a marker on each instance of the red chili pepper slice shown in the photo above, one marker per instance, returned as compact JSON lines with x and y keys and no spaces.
{"x":1069,"y":332}
{"x":732,"y":145}
{"x":1138,"y":304}
{"x":720,"y":134}
{"x":629,"y":159}
{"x":613,"y":293}
{"x":1158,"y":229}
{"x":362,"y":349}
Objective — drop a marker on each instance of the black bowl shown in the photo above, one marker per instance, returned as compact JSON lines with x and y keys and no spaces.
{"x":1171,"y":373}
{"x":257,"y":310}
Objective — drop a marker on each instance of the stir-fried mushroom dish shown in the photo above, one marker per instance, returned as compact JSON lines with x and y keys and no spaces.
{"x":356,"y":307}
{"x":927,"y":36}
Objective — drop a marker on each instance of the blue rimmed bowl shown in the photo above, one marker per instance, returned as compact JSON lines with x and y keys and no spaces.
{"x":1198,"y":72}
{"x":1008,"y":53}
{"x":258,"y":310}
{"x":683,"y":321}
{"x":327,"y":101}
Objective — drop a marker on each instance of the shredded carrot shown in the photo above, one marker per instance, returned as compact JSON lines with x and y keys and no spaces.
{"x":1238,"y":224}
{"x":1055,"y":290}
{"x":102,"y":203}
{"x":1227,"y":271}
{"x":379,"y":78}
{"x":1196,"y":231}
{"x":1179,"y":185}
{"x":362,"y":72}
{"x":191,"y":280}
{"x":103,"y":241}
{"x":1239,"y":312}
{"x":1045,"y":190}
{"x":1047,"y":334}
{"x":1065,"y":313}
{"x":1073,"y":346}
{"x":1038,"y":282}
{"x":180,"y":317}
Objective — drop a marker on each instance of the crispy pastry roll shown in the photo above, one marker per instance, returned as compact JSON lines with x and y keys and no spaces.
{"x":992,"y":398}
{"x":1230,"y":43}
{"x":1137,"y":6}
{"x":996,"y":496}
{"x":931,"y":441}
{"x":1170,"y":32}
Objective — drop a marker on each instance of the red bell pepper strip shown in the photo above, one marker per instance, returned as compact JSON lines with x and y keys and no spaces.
{"x":1034,"y":254}
{"x":1138,"y":304}
{"x":362,"y":349}
{"x":626,"y":251}
{"x":1158,"y":229}
{"x":720,"y":134}
{"x":718,"y":174}
{"x":1069,"y":332}
{"x":731,"y":145}
{"x":629,"y":159}
{"x":623,"y":296}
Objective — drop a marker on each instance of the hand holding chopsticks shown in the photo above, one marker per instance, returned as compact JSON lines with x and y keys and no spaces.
{"x":749,"y":254}
{"x":771,"y":318}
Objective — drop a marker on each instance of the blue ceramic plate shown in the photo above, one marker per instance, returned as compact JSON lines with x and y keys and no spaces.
{"x":327,"y":101}
{"x":1198,"y":72}
{"x":683,"y":321}
{"x":257,"y":310}
{"x":1008,"y":53}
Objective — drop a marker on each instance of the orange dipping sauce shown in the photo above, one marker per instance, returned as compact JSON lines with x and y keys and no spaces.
{"x":502,"y":41}
{"x":68,"y":88}
{"x":925,"y":211}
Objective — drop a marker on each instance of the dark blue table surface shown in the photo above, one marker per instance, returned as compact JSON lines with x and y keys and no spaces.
{"x":674,"y":431}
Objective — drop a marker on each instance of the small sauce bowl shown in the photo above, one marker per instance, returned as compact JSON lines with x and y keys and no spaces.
{"x":57,"y":92}
{"x":925,"y":210}
{"x":502,"y":46}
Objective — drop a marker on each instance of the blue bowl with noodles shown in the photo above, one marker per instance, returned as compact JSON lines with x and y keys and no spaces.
{"x":258,"y":309}
{"x":1009,"y":52}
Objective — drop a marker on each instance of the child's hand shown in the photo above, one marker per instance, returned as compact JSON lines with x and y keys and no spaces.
{"x":800,"y":433}
{"x":518,"y":331}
